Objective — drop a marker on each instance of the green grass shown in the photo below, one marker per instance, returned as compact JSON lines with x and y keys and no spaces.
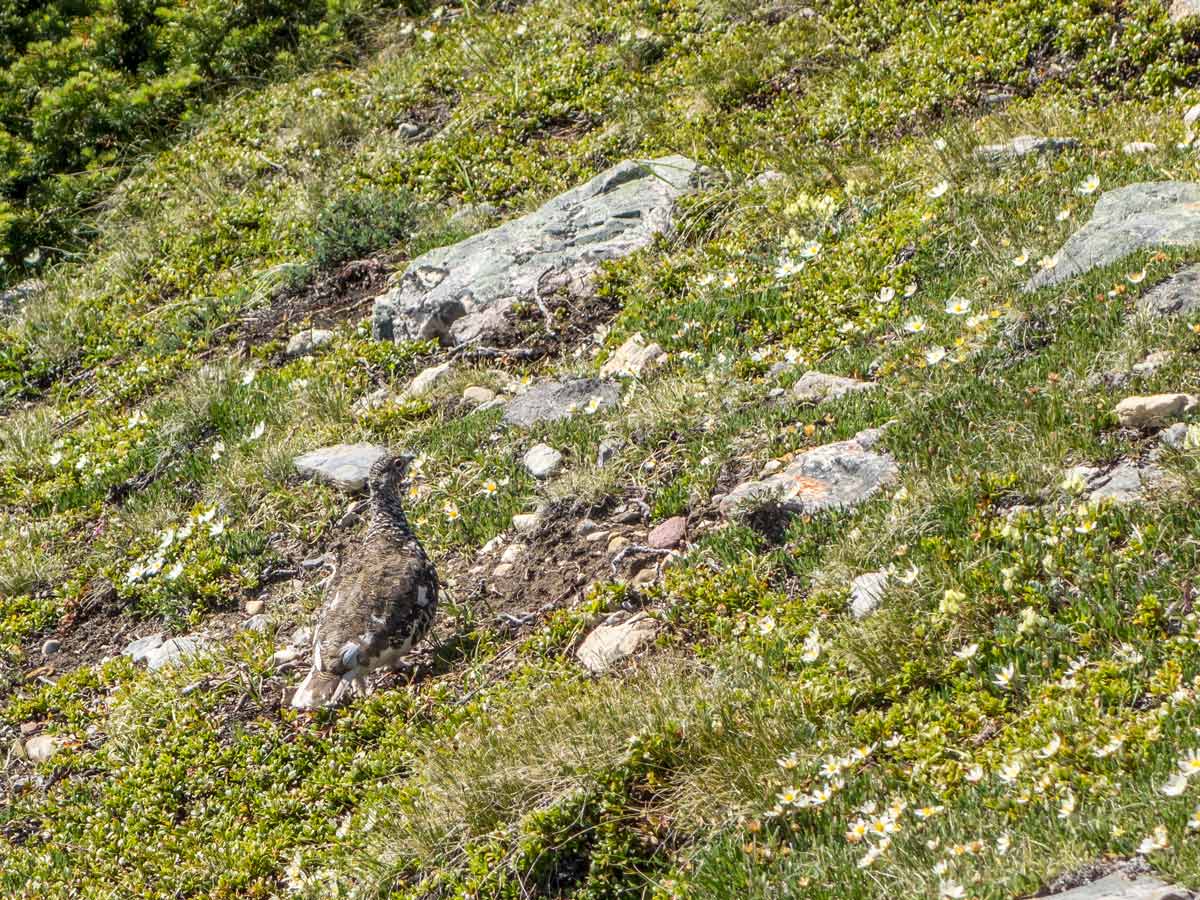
{"x":139,"y":402}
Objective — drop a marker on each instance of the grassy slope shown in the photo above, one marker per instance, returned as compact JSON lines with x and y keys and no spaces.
{"x":510,"y":772}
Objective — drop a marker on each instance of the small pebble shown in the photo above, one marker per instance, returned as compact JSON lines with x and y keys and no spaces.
{"x":51,"y":647}
{"x":645,"y":576}
{"x":254,"y":607}
{"x":617,"y":544}
{"x":523,"y":522}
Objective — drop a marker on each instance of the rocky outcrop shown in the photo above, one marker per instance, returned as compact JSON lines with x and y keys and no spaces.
{"x":836,"y":476}
{"x":1149,"y":214}
{"x":461,"y":292}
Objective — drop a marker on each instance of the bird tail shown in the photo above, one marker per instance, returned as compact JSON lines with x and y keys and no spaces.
{"x":318,"y":689}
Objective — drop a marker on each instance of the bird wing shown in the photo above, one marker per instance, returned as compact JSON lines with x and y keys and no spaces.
{"x":376,"y":596}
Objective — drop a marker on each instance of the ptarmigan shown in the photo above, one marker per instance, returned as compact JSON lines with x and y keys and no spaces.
{"x":380,"y":602}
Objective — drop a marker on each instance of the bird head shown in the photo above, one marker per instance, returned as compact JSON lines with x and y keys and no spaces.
{"x":388,"y":473}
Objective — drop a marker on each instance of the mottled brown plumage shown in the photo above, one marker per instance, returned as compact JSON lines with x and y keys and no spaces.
{"x":381,"y":601}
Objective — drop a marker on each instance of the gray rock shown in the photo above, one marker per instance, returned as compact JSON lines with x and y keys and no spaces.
{"x":1179,"y":295}
{"x":344,"y":466}
{"x":525,"y":522}
{"x":460,"y":292}
{"x":607,"y":451}
{"x":51,"y":647}
{"x":302,"y":343}
{"x":427,"y":379}
{"x":1183,"y":9}
{"x":836,"y":476}
{"x":587,"y":527}
{"x":254,"y":607}
{"x":1156,"y":409}
{"x":1134,"y":148}
{"x":1152,"y":363}
{"x":866,"y":593}
{"x":139,"y":650}
{"x":644,"y":576}
{"x":869,"y":437}
{"x":477,"y":396}
{"x":377,"y":399}
{"x":257,"y":623}
{"x":408,"y":130}
{"x":1127,"y":482}
{"x":542,"y":460}
{"x":1193,"y":112}
{"x":551,"y":401}
{"x":817,"y":387}
{"x":174,"y":651}
{"x":41,"y":747}
{"x":1122,"y":886}
{"x":619,"y":637}
{"x":1174,"y":436}
{"x":633,"y":357}
{"x":1024,"y":145}
{"x":1149,"y":214}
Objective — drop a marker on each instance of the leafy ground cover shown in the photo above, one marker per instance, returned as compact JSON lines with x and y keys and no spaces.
{"x":1012,"y":712}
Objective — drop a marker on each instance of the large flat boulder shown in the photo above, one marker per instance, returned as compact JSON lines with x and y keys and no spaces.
{"x":460,"y":292}
{"x":345,"y":466}
{"x":1122,"y":886}
{"x":1134,"y":217}
{"x":836,"y":476}
{"x":619,"y":637}
{"x":551,"y":401}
